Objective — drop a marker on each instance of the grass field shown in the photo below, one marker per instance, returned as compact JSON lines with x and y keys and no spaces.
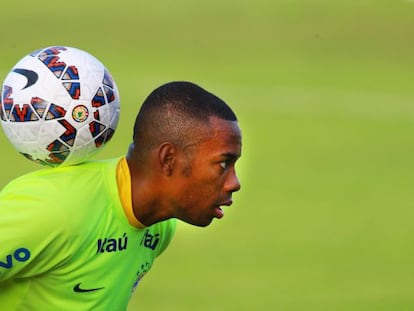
{"x":325,"y":98}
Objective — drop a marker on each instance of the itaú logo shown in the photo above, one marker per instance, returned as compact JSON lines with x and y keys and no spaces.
{"x":19,"y":255}
{"x":110,"y":245}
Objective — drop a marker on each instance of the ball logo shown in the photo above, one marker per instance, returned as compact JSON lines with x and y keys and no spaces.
{"x":30,"y":75}
{"x":80,"y":113}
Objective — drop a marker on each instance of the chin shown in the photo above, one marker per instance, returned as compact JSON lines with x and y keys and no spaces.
{"x":198,"y":222}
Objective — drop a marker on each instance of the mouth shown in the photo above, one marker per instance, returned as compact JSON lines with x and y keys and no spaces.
{"x":218,"y":212}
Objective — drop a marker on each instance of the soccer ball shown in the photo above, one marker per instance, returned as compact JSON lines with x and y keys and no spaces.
{"x":59,"y":106}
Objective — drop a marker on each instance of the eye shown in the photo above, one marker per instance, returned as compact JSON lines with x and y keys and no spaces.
{"x":223,"y":164}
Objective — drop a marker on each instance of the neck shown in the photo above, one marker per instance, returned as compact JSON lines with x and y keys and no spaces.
{"x":148,"y":203}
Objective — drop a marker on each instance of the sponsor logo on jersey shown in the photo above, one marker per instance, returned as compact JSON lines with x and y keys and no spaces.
{"x":150,"y":240}
{"x":78,"y":289}
{"x":19,"y":255}
{"x":110,"y":245}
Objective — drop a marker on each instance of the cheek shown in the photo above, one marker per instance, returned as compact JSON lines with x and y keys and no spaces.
{"x":203,"y":187}
{"x":208,"y":188}
{"x":209,"y":178}
{"x":203,"y":181}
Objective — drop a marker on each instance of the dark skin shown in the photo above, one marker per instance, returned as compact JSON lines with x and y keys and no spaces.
{"x":190,"y":184}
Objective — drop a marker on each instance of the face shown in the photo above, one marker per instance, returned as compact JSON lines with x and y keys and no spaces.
{"x":207,"y":177}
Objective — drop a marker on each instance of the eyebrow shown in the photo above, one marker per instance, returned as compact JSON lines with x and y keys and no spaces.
{"x":231,"y":155}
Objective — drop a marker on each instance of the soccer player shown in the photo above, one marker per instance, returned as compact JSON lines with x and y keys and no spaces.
{"x":81,"y":237}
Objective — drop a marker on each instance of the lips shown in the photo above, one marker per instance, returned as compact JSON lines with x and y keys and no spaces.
{"x":218,"y":212}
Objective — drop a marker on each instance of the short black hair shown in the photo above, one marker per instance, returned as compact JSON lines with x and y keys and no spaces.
{"x":173,"y":111}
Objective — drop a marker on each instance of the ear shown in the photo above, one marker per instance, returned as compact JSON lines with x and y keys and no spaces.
{"x":167,"y":154}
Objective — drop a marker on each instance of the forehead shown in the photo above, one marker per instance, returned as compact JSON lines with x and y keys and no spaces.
{"x":221,"y":137}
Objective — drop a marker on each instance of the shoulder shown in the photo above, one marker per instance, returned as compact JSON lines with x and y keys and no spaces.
{"x":46,"y":182}
{"x":55,"y":192}
{"x":169,"y":226}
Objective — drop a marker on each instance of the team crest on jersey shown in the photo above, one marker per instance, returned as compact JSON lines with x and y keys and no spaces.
{"x":143,"y":269}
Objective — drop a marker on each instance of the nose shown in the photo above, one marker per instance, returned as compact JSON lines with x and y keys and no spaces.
{"x":232,"y":183}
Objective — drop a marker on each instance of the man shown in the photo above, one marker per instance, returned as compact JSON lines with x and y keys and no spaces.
{"x":81,"y":237}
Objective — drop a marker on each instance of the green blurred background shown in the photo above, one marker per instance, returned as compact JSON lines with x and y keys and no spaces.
{"x":323,"y":90}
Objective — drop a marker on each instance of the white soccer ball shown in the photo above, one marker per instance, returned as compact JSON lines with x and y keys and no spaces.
{"x":59,"y":106}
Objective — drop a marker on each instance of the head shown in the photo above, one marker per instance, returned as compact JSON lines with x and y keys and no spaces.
{"x":190,"y":141}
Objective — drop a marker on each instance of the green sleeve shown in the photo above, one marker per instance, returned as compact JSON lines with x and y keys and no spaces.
{"x":32,"y":238}
{"x":168,"y":228}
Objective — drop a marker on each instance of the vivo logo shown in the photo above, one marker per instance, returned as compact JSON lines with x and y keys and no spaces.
{"x":20,"y":255}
